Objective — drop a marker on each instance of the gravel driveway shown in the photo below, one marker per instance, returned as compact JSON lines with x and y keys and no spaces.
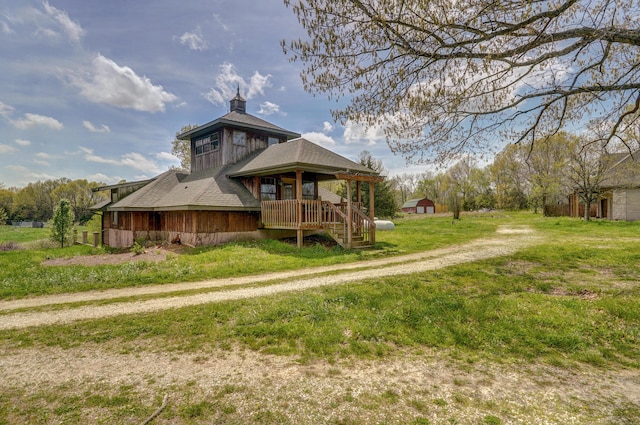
{"x":507,"y":240}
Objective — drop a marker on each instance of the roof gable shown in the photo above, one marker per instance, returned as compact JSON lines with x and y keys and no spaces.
{"x":240,"y":120}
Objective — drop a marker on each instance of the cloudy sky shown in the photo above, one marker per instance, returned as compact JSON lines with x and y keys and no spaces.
{"x":98,"y":89}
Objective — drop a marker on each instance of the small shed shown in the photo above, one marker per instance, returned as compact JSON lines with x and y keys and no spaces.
{"x":419,"y":206}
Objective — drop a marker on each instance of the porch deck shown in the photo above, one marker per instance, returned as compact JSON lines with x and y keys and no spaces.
{"x":348,"y":225}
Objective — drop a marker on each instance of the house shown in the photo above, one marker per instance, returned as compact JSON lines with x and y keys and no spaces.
{"x":419,"y":206}
{"x":619,"y":194}
{"x":249,"y":179}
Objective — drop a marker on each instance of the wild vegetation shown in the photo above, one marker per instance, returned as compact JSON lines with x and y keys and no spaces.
{"x":561,"y":309}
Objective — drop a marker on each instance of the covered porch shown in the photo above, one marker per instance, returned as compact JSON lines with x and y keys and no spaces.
{"x":346,"y":222}
{"x":285,"y":177}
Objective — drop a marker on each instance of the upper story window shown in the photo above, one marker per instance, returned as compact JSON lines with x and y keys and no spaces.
{"x":207,"y":143}
{"x":239,"y":138}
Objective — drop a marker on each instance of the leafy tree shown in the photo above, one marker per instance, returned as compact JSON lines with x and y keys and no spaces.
{"x":81,"y":197}
{"x":508,"y":172}
{"x":62,"y":222}
{"x":384,"y":198}
{"x":547,"y":160}
{"x":481,"y":194}
{"x":3,"y":216}
{"x":589,"y":167}
{"x":35,"y":200}
{"x":443,"y":77}
{"x":405,"y":185}
{"x":182,"y":148}
{"x":6,"y":200}
{"x":431,"y":187}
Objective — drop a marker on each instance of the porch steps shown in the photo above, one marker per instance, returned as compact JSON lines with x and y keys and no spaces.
{"x":339,"y":234}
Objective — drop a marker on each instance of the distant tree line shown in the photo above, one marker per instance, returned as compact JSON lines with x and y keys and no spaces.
{"x":37,"y":201}
{"x":522,"y":176}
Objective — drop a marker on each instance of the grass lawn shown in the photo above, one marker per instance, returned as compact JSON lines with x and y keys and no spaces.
{"x":569,"y":303}
{"x":22,"y":274}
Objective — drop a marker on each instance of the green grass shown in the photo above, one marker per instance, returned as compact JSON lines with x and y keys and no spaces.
{"x":560,"y":301}
{"x":570,"y":301}
{"x":22,"y":234}
{"x":22,"y":273}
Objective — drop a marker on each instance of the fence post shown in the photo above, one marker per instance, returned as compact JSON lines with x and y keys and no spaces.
{"x":85,"y":237}
{"x":96,"y":238}
{"x":75,"y":236}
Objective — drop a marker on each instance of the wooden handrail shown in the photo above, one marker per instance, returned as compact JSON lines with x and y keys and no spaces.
{"x":285,"y":214}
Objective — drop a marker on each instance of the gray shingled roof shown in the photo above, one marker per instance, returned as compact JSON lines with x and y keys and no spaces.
{"x":214,"y":189}
{"x":205,"y":190}
{"x":239,"y":120}
{"x":296,"y":154}
{"x":624,"y":173}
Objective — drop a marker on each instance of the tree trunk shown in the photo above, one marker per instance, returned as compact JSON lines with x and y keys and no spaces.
{"x":587,"y":211}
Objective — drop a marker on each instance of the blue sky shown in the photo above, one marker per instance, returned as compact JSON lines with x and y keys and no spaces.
{"x":98,"y":89}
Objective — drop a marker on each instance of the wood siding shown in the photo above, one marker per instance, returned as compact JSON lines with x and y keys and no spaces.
{"x":228,"y":152}
{"x":191,"y":227}
{"x":208,"y":221}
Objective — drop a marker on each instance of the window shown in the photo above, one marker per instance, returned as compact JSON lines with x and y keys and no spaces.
{"x":114,"y":218}
{"x":207,"y":143}
{"x":267,"y":189}
{"x":239,"y":138}
{"x":308,"y":190}
{"x":273,"y":141}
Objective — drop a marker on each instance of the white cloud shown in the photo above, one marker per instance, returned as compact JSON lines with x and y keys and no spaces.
{"x":269,"y":108}
{"x":4,"y":149}
{"x":194,"y":40}
{"x":120,"y":86}
{"x":43,"y":155}
{"x":327,"y":127}
{"x":99,"y":177}
{"x":134,"y":160}
{"x":140,"y":162}
{"x":319,"y":139}
{"x":41,"y":162}
{"x":89,"y":156}
{"x":166,"y":156}
{"x":34,"y":120}
{"x":22,"y":142}
{"x":6,"y":29}
{"x":228,"y":80}
{"x":73,"y":30}
{"x":102,"y":129}
{"x":257,"y":84}
{"x":27,"y":175}
{"x":6,"y":110}
{"x":358,"y":133}
{"x":220,"y":22}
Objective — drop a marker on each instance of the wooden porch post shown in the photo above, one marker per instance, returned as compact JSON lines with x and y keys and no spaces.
{"x":358,"y":192}
{"x":349,"y":213}
{"x":300,"y":232}
{"x":372,"y":228}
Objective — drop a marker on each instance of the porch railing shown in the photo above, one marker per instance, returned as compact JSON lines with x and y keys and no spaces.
{"x":347,"y":231}
{"x":284,"y":214}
